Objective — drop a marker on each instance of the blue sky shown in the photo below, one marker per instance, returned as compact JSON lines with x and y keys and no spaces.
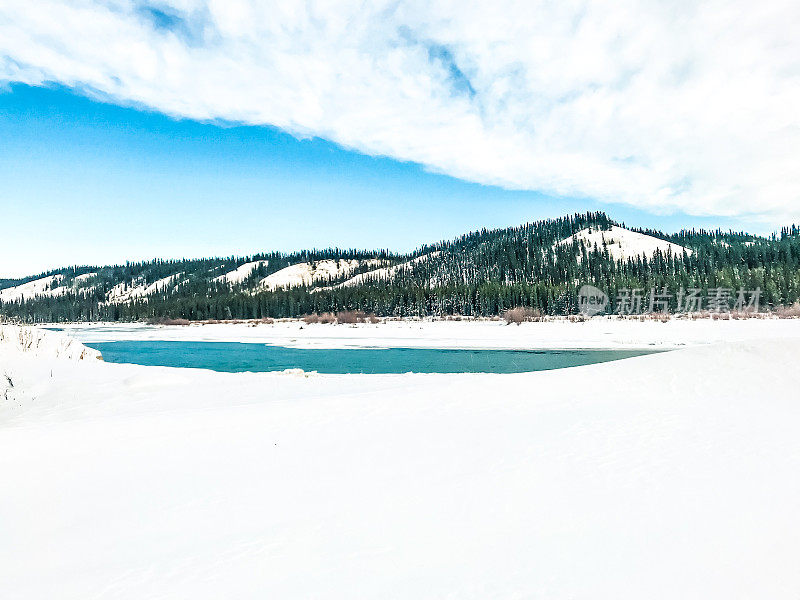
{"x":87,"y":182}
{"x":164,"y":128}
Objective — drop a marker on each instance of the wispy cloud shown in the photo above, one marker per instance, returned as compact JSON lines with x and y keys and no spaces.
{"x":685,"y":105}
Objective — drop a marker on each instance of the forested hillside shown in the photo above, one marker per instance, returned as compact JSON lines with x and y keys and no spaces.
{"x":539,"y":265}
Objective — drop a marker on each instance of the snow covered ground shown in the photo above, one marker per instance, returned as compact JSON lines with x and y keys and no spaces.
{"x":598,"y":332}
{"x":673,"y":475}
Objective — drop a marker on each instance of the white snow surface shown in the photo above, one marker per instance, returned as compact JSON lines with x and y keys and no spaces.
{"x":42,"y":344}
{"x":307,"y":273}
{"x":44,"y":286}
{"x":623,"y":243}
{"x":239,"y":274}
{"x":672,"y":475}
{"x":49,"y":286}
{"x":385,"y":272}
{"x":84,"y":276}
{"x":598,"y":332}
{"x":122,"y":292}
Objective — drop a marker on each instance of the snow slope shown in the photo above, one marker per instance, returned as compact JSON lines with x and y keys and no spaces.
{"x":123,"y":293}
{"x":385,"y":272}
{"x":325,"y":270}
{"x":44,"y":286}
{"x":624,"y":244}
{"x":239,"y":274}
{"x":307,"y":273}
{"x":666,"y":476}
{"x":84,"y":277}
{"x":49,"y":286}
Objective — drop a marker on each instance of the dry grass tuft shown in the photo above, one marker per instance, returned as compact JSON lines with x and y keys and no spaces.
{"x":343,"y":317}
{"x":351,"y":316}
{"x":168,"y":321}
{"x":326,"y":317}
{"x":520,"y":314}
{"x":788,"y":312}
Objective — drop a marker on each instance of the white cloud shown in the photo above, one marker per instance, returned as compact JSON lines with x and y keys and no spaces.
{"x":689,"y":105}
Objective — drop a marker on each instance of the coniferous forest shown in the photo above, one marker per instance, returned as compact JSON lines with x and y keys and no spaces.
{"x":481,"y":273}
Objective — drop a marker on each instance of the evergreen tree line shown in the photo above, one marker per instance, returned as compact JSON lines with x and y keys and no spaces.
{"x":481,"y":273}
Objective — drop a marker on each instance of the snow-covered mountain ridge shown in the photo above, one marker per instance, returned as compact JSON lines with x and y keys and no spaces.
{"x":624,"y":244}
{"x":483,"y":272}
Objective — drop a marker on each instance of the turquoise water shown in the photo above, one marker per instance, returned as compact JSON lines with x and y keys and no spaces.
{"x":238,"y":357}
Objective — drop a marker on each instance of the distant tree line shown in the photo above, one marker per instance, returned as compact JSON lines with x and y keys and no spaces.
{"x":482,"y":273}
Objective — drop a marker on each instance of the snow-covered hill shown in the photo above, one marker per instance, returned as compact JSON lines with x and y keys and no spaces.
{"x":385,"y":272}
{"x":45,"y":286}
{"x":308,"y":273}
{"x":623,"y":243}
{"x":239,"y":274}
{"x":52,"y":286}
{"x":122,"y":292}
{"x":49,"y":286}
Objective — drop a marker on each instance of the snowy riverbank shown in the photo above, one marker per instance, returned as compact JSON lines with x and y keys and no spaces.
{"x":554,"y":334}
{"x":672,"y":475}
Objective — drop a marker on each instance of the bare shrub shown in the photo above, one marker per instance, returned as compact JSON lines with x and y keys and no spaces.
{"x":351,"y":316}
{"x":522,"y":313}
{"x":788,"y":312}
{"x":325,"y":317}
{"x":261,"y":321}
{"x":373,"y":319}
{"x":167,"y":321}
{"x":747,"y":313}
{"x":661,"y":317}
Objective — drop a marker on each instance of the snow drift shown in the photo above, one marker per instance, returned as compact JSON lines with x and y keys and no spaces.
{"x":42,"y":344}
